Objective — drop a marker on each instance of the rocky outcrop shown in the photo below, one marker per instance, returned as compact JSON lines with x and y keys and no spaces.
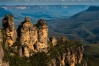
{"x":70,"y":58}
{"x":28,"y":36}
{"x":33,"y":38}
{"x":53,"y":40}
{"x":10,"y":31}
{"x":1,"y":49}
{"x":70,"y":52}
{"x":42,"y":43}
{"x":2,"y":63}
{"x":74,"y":56}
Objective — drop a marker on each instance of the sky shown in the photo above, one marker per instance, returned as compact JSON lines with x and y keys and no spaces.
{"x":49,"y":2}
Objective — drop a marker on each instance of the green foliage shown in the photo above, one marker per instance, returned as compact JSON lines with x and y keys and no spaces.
{"x":4,"y":39}
{"x":16,"y":60}
{"x":91,"y":60}
{"x":91,"y":49}
{"x":40,"y":58}
{"x":91,"y":55}
{"x":37,"y":59}
{"x":91,"y":52}
{"x":53,"y":51}
{"x":62,"y":47}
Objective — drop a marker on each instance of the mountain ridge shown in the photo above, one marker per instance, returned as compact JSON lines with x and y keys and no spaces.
{"x":82,"y":26}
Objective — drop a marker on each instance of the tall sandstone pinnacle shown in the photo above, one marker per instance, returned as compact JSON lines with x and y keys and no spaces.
{"x":10,"y":31}
{"x":42,"y":43}
{"x":33,"y":38}
{"x":28,"y":36}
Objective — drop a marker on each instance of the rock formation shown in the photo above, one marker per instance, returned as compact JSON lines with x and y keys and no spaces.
{"x":42,"y":43}
{"x":74,"y":56}
{"x":1,"y":49}
{"x":71,"y":58}
{"x":2,"y":63}
{"x":53,"y":40}
{"x":28,"y":36}
{"x":10,"y":31}
{"x":34,"y":37}
{"x":70,"y":54}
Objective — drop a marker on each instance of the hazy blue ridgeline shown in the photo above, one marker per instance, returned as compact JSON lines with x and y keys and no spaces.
{"x":35,"y":12}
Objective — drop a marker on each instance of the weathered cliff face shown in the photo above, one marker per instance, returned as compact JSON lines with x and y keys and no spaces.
{"x":70,"y":53}
{"x":28,"y":36}
{"x":10,"y":31}
{"x":2,"y":63}
{"x":1,"y":49}
{"x":35,"y":37}
{"x":71,"y":58}
{"x":74,"y":56}
{"x":42,"y":43}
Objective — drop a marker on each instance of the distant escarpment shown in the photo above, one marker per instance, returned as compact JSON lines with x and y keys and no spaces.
{"x":83,"y":26}
{"x":30,"y":45}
